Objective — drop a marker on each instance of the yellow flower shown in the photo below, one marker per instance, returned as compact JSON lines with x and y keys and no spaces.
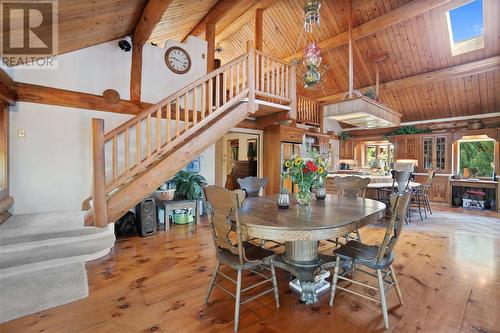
{"x":321,"y":170}
{"x":298,"y":161}
{"x":287,"y":164}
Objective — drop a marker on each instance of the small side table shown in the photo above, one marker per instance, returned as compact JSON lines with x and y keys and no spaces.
{"x":180,"y":204}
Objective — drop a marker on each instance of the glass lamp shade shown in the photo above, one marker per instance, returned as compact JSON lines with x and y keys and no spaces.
{"x":311,"y":77}
{"x":312,"y":55}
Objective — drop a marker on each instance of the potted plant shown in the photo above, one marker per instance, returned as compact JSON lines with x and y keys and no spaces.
{"x":188,"y":185}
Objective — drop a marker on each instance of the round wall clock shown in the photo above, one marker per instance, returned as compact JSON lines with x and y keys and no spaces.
{"x":178,"y":60}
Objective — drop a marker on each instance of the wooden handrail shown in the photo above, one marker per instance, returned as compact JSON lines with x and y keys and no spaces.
{"x":139,"y":142}
{"x":273,"y":77}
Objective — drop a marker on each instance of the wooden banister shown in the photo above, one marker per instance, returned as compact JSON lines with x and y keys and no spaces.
{"x":308,"y":111}
{"x":162,"y":127}
{"x":99,"y":189}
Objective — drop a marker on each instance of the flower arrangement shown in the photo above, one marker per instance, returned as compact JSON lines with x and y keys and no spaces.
{"x":306,"y":172}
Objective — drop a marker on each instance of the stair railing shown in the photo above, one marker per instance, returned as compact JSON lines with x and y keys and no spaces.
{"x":130,"y":148}
{"x":274,"y":79}
{"x":308,"y":111}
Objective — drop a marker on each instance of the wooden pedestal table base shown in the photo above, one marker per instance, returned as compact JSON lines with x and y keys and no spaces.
{"x":302,"y":227}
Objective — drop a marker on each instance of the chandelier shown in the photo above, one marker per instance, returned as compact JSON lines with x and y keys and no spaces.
{"x":311,"y":69}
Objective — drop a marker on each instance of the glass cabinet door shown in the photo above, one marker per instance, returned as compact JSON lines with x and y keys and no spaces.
{"x":434,"y":153}
{"x":428,"y":153}
{"x":441,"y":153}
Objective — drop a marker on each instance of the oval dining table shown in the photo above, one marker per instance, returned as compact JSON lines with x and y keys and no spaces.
{"x":302,"y":227}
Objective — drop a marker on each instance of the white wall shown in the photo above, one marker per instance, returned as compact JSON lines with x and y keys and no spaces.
{"x":50,"y":168}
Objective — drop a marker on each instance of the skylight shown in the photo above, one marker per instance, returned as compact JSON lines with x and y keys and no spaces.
{"x":466,"y":27}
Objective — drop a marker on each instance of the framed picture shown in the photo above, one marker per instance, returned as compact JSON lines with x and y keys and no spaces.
{"x":195,"y":165}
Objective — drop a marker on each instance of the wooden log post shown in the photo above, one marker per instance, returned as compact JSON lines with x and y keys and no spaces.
{"x":251,"y":77}
{"x":99,"y":190}
{"x":210,"y":38}
{"x":293,"y":89}
{"x":258,"y":28}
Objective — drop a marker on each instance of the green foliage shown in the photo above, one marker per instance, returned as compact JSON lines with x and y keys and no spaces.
{"x":371,"y":156}
{"x":370,"y":93}
{"x":477,"y":155}
{"x":409,"y":130}
{"x":188,"y":185}
{"x":345,"y":136}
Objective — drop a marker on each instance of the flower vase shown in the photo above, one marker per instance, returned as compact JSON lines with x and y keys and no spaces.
{"x":304,"y":196}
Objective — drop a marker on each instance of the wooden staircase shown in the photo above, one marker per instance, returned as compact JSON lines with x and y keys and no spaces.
{"x":134,"y":159}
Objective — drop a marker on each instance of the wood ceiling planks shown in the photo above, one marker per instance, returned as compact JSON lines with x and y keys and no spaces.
{"x":418,"y":45}
{"x":180,"y":19}
{"x":86,"y":23}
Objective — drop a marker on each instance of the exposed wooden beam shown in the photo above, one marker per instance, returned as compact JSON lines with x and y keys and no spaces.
{"x":150,"y":17}
{"x":243,"y":19}
{"x":32,"y":93}
{"x":7,"y":93}
{"x":400,"y":14}
{"x":258,"y":29}
{"x":136,"y":73}
{"x":220,"y":9}
{"x":471,"y":68}
{"x":210,"y":38}
{"x":53,"y":96}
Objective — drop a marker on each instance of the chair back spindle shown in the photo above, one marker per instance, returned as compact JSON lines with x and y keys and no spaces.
{"x":399,"y":204}
{"x":351,"y":187}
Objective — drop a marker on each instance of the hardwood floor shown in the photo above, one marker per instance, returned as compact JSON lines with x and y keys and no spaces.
{"x":447,"y":266}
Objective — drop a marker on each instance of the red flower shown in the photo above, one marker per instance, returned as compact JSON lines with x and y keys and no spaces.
{"x":311,"y":166}
{"x":305,"y":170}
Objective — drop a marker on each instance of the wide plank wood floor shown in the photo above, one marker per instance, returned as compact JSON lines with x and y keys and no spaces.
{"x":448,"y":269}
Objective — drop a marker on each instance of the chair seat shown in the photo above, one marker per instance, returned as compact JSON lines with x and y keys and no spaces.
{"x":253,"y":252}
{"x":363,"y":254}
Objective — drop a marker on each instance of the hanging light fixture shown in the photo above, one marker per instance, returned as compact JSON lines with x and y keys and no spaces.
{"x":312,"y":61}
{"x":312,"y":70}
{"x":311,"y":11}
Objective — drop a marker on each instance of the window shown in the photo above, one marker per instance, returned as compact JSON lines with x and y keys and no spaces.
{"x":476,"y":157}
{"x":466,"y":27}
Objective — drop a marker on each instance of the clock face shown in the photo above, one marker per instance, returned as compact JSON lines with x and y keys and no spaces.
{"x":178,"y":60}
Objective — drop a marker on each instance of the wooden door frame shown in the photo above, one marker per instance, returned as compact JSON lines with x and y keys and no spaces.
{"x":4,"y":151}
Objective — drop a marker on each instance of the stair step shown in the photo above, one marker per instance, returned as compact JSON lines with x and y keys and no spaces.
{"x":37,"y":241}
{"x":30,"y":292}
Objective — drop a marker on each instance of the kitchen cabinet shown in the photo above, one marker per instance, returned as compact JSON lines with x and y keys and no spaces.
{"x":436,"y":152}
{"x":346,"y":150}
{"x":405,"y":147}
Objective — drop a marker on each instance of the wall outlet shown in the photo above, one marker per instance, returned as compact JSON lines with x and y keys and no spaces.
{"x":21,"y":133}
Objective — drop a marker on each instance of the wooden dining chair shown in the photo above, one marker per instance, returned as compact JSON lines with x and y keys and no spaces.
{"x":400,"y":183}
{"x":378,"y":258}
{"x":252,"y":185}
{"x":222,"y":210}
{"x":350,"y":187}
